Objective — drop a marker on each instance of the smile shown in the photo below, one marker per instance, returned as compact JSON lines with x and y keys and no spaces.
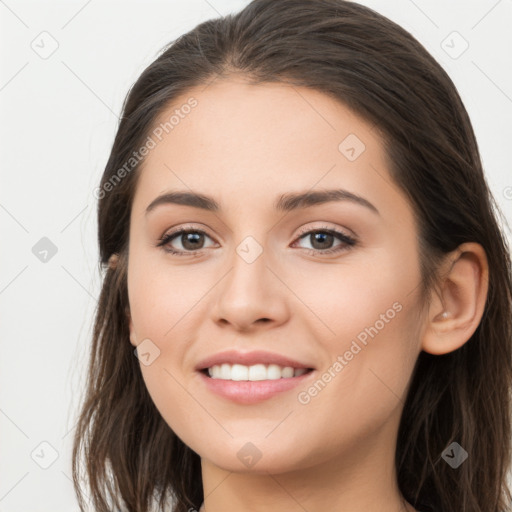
{"x":257,"y":372}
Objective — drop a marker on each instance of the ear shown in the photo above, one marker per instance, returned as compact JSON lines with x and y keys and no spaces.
{"x":455,"y":312}
{"x":133,"y":337}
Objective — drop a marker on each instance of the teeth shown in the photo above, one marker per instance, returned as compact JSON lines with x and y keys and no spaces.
{"x":256,"y":372}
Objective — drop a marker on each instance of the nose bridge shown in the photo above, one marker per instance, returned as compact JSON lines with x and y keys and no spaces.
{"x":247,"y":279}
{"x":250,"y":292}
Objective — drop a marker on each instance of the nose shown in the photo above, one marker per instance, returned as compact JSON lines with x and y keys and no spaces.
{"x":251,"y":296}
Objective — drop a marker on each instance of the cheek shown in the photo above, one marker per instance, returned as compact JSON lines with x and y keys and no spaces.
{"x":167,"y":306}
{"x":161,"y":310}
{"x":363,"y":387}
{"x":374,"y":336}
{"x":363,"y":290}
{"x":162,"y":298}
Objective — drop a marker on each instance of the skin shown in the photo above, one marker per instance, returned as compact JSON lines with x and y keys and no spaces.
{"x":245,"y":145}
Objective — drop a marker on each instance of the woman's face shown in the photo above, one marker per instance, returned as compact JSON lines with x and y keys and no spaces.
{"x":270,"y":274}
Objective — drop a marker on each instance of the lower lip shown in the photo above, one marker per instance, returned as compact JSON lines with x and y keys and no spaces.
{"x":251,"y":392}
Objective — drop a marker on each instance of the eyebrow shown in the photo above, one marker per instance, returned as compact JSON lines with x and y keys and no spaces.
{"x":284,"y":203}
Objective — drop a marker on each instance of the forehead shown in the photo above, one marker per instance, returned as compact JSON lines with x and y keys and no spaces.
{"x":246,"y":143}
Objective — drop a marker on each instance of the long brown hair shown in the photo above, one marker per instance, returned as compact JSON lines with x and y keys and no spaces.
{"x":132,"y":459}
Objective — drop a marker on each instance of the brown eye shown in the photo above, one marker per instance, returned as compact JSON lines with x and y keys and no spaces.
{"x":322,"y":241}
{"x":191,"y":240}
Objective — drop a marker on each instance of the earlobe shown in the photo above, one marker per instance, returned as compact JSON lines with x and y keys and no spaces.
{"x":456,"y":311}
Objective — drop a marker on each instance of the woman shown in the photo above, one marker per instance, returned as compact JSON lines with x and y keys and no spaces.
{"x":369,"y":369}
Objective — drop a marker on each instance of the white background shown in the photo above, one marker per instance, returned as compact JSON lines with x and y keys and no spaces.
{"x":58,"y":121}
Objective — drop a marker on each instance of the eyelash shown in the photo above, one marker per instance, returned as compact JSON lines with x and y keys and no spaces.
{"x":347,"y":240}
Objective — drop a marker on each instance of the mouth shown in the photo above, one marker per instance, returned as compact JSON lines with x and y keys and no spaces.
{"x":248,"y":385}
{"x":253,"y":373}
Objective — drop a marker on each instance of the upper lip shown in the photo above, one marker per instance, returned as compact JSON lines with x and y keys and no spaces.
{"x":249,"y":359}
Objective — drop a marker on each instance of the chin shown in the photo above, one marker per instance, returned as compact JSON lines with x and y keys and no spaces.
{"x":244,"y":456}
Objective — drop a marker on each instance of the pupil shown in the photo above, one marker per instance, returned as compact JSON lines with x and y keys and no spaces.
{"x":323,"y":238}
{"x":195,"y":238}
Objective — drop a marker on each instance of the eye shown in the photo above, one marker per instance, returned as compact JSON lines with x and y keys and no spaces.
{"x":191,"y":240}
{"x":323,"y":238}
